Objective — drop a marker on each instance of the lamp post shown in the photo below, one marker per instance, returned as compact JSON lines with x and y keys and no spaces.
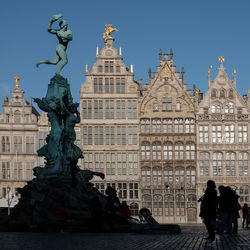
{"x":9,"y":198}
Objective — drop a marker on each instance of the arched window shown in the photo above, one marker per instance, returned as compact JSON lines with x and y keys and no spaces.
{"x":168,"y":151}
{"x":230,"y":164}
{"x":178,"y":125}
{"x":169,"y":205}
{"x":179,"y":151}
{"x":134,"y":208}
{"x":217,"y":164}
{"x":158,"y":205}
{"x":179,"y":177}
{"x":180,"y":205}
{"x":190,"y":152}
{"x":213,"y":93}
{"x":216,"y":109}
{"x":167,"y":126}
{"x":229,"y":108}
{"x":189,"y":125}
{"x":231,"y":94}
{"x":164,"y":104}
{"x":145,"y":126}
{"x":168,"y":178}
{"x":156,"y":150}
{"x":192,"y":198}
{"x":243,"y":164}
{"x":204,"y":163}
{"x":146,"y":177}
{"x":156,"y":126}
{"x":178,"y":106}
{"x":244,"y":194}
{"x":157,"y":177}
{"x":17,"y":116}
{"x":147,"y":202}
{"x":145,"y":151}
{"x":190,"y":177}
{"x":222,"y":93}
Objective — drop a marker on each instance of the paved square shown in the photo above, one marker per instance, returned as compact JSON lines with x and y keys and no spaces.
{"x":190,"y":238}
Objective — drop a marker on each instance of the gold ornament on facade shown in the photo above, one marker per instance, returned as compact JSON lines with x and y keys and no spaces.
{"x":165,"y":71}
{"x":248,"y":91}
{"x":196,"y":92}
{"x":108,"y":31}
{"x":97,"y":51}
{"x":17,"y":79}
{"x":86,"y":68}
{"x":221,"y":59}
{"x":234,"y":72}
{"x":208,"y":72}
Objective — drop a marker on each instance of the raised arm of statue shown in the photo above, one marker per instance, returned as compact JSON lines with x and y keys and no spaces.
{"x":49,"y":29}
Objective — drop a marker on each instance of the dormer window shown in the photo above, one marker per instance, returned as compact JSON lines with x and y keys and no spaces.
{"x":109,"y":66}
{"x":222,"y":93}
{"x":231,"y":93}
{"x":213,"y":93}
{"x":178,"y":106}
{"x":99,"y":68}
{"x":17,"y":116}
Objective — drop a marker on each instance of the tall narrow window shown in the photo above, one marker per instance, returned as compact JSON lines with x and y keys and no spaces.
{"x":167,"y":126}
{"x":242,"y":133}
{"x":190,"y":177}
{"x":5,"y":144}
{"x":203,"y":133}
{"x":121,"y":135}
{"x":217,"y":164}
{"x":216,"y":134}
{"x":180,"y":205}
{"x":109,"y":66}
{"x":156,"y":126}
{"x":120,"y":109}
{"x":87,"y":135}
{"x":179,"y":177}
{"x":156,"y":150}
{"x":168,"y":178}
{"x":178,"y":125}
{"x":132,"y":135}
{"x":17,"y":116}
{"x":109,"y":85}
{"x":229,"y":108}
{"x":164,"y":104}
{"x":168,"y":151}
{"x":145,"y":126}
{"x":133,"y":190}
{"x":178,"y":106}
{"x":110,"y":164}
{"x":98,"y":135}
{"x":132,"y":109}
{"x":146,"y":177}
{"x":98,"y":85}
{"x":88,"y":161}
{"x":133,"y":164}
{"x":30,"y":144}
{"x":204,"y":164}
{"x":18,"y":144}
{"x":99,"y":162}
{"x":169,"y":104}
{"x":110,"y":135}
{"x":190,"y":152}
{"x":121,"y":164}
{"x":6,"y":171}
{"x":179,"y":151}
{"x":145,"y":151}
{"x":230,"y":164}
{"x":243,"y":164}
{"x":157,"y":177}
{"x":189,"y":125}
{"x":229,"y":133}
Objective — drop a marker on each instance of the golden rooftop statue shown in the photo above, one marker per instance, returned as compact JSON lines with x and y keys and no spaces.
{"x":108,"y":31}
{"x":165,"y":71}
{"x":196,"y":92}
{"x":17,"y":79}
{"x":221,"y":59}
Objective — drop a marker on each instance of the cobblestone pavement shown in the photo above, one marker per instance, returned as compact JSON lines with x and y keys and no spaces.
{"x":190,"y":238}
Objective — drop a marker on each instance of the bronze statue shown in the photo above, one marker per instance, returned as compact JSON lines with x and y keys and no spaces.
{"x":64,"y":36}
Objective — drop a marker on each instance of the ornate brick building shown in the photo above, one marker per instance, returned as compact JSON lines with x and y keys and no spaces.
{"x":167,"y":145}
{"x":109,"y":124}
{"x":223,"y":144}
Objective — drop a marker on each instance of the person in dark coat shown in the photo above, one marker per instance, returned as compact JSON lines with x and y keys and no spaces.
{"x":208,"y":209}
{"x":245,"y":215}
{"x":235,"y":211}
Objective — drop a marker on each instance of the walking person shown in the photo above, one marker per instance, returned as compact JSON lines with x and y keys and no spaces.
{"x":208,"y":209}
{"x":245,"y":215}
{"x":235,"y":211}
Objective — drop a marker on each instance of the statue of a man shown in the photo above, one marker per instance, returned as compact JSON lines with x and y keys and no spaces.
{"x":64,"y":36}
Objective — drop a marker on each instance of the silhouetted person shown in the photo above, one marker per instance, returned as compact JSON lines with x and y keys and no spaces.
{"x":225,"y":209}
{"x":113,"y":206}
{"x":96,"y":213}
{"x":208,"y":209}
{"x":235,"y":211}
{"x":125,"y":211}
{"x":245,"y":215}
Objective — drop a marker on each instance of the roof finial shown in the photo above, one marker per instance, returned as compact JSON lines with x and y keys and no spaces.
{"x":120,"y":51}
{"x":182,"y":74}
{"x":86,"y":68}
{"x":17,"y":79}
{"x":149,"y":73}
{"x":131,"y":68}
{"x":97,"y":50}
{"x":160,"y":55}
{"x":171,"y":54}
{"x":221,"y":59}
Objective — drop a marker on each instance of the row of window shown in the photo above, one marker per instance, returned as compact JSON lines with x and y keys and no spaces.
{"x":124,"y":190}
{"x":18,"y":118}
{"x":109,"y":67}
{"x":177,"y":125}
{"x":109,"y":109}
{"x":222,"y":93}
{"x":18,"y":143}
{"x":223,"y":133}
{"x":166,"y":105}
{"x":110,"y":135}
{"x":224,"y":164}
{"x":109,"y":85}
{"x":168,"y":205}
{"x":168,"y":178}
{"x":17,"y":171}
{"x":167,"y":151}
{"x":121,"y":163}
{"x":228,"y":108}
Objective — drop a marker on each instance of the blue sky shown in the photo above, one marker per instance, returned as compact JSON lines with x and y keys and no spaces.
{"x":198,"y":31}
